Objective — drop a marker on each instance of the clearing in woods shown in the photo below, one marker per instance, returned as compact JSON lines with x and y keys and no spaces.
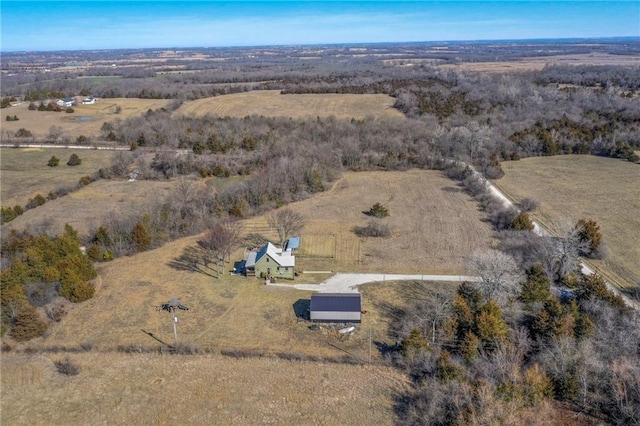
{"x":25,"y":172}
{"x":270,"y":103}
{"x":434,"y":227}
{"x":571,"y":187}
{"x":85,"y":120}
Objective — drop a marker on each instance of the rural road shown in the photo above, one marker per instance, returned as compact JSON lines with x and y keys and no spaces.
{"x":344,"y":282}
{"x":539,"y":230}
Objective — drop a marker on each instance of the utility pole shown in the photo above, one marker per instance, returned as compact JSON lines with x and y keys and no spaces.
{"x":172,"y":306}
{"x":370,"y":333}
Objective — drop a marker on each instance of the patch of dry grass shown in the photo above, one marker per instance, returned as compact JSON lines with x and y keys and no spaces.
{"x":538,"y":63}
{"x":85,"y":120}
{"x":571,"y":187}
{"x":434,"y":224}
{"x":434,"y":221}
{"x":205,"y":389}
{"x":92,"y":205}
{"x":271,"y":103}
{"x":25,"y":172}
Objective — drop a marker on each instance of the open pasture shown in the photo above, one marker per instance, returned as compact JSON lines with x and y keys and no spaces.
{"x":572,"y":187}
{"x":25,"y":172}
{"x":143,"y":389}
{"x":270,"y":103}
{"x":538,"y":63}
{"x":85,"y":120}
{"x":434,"y":224}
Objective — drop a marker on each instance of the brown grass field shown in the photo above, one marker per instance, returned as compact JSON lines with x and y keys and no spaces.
{"x":572,"y":187}
{"x":86,"y":120}
{"x":538,"y":63}
{"x":270,"y":103}
{"x":435,"y":226}
{"x":25,"y":172}
{"x":198,"y":390}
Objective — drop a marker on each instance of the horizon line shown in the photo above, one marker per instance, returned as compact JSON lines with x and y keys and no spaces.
{"x":467,"y":41}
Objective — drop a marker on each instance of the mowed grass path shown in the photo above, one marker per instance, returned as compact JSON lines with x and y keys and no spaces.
{"x":270,"y":103}
{"x":571,"y":187}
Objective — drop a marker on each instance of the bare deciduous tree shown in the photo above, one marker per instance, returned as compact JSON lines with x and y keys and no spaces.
{"x":219,"y":242}
{"x":499,"y":274}
{"x":286,"y":222}
{"x":55,"y":132}
{"x":566,"y":251}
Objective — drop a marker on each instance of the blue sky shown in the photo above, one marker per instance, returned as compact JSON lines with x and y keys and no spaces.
{"x":74,"y":25}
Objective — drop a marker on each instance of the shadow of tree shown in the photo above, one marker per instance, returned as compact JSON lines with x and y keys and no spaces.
{"x":193,"y":259}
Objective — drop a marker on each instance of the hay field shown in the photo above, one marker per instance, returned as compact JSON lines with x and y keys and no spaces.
{"x":434,"y":224}
{"x":86,"y":120}
{"x":538,"y":63}
{"x":204,"y":389}
{"x":270,"y":103}
{"x":571,"y":187}
{"x":25,"y":172}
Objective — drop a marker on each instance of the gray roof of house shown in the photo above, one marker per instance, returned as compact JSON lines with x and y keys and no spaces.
{"x":336,"y":302}
{"x":280,"y":257}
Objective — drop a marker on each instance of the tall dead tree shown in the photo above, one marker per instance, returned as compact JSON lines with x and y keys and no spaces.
{"x":219,"y":242}
{"x":287,"y":223}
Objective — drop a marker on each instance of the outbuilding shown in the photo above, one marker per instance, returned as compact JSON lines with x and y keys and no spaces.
{"x":335,"y":307}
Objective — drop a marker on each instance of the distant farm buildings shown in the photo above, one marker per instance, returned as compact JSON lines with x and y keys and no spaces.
{"x":335,"y":307}
{"x":66,"y":102}
{"x":89,"y":101}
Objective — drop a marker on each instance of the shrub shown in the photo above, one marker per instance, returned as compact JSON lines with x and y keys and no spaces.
{"x":529,"y":204}
{"x":36,"y":201}
{"x":522,"y":222}
{"x":27,"y":324}
{"x":10,"y":118}
{"x":374,"y":228}
{"x":589,"y":233}
{"x":53,"y":161}
{"x":81,"y":139}
{"x":8,"y":214}
{"x":74,"y":160}
{"x":69,"y":110}
{"x":78,"y":291}
{"x":86,"y":180}
{"x":52,"y":106}
{"x":378,"y":210}
{"x":67,"y":367}
{"x":23,"y":133}
{"x":32,"y":106}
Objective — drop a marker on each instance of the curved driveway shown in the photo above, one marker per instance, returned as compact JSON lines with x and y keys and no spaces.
{"x":344,"y":282}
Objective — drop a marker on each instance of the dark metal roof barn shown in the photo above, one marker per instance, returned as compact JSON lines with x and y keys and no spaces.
{"x":335,"y":307}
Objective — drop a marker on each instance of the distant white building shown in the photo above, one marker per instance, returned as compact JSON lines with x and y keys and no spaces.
{"x":66,"y":102}
{"x":89,"y":101}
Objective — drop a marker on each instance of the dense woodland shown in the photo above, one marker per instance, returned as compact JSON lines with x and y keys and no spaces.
{"x":514,"y":341}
